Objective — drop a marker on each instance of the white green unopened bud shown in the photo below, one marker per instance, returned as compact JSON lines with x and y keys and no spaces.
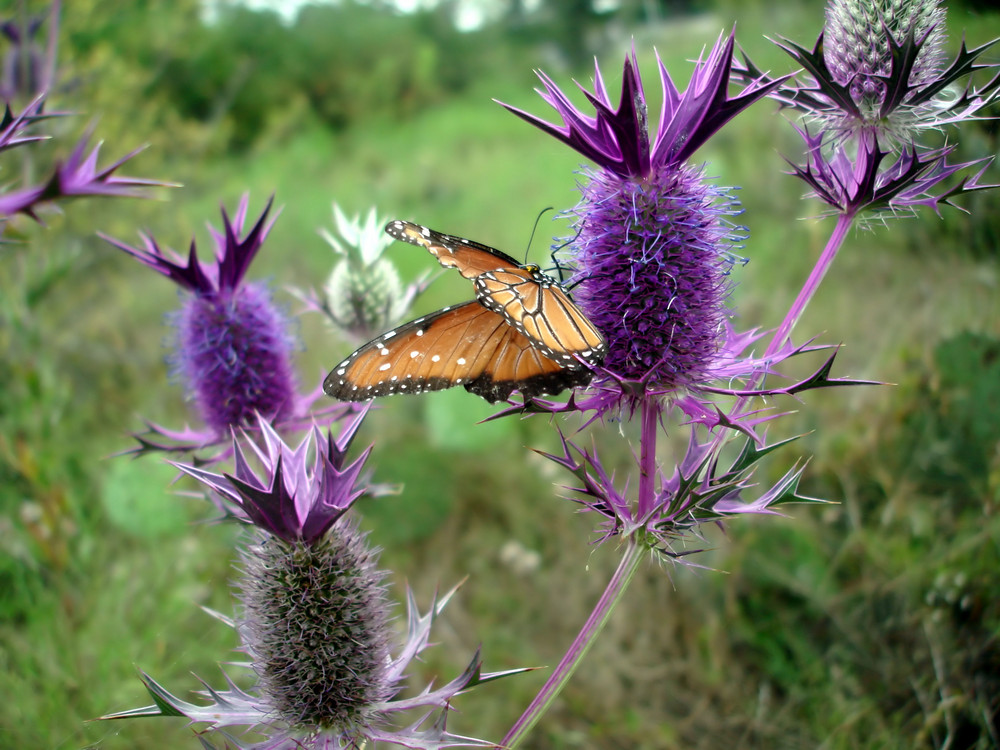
{"x":365,"y":300}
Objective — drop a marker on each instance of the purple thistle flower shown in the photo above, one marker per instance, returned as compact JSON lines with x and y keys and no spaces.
{"x":233,"y":346}
{"x":654,"y":256}
{"x":655,"y":245}
{"x":314,"y":616}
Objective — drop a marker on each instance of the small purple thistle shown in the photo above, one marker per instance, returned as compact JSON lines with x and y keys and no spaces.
{"x":233,"y":346}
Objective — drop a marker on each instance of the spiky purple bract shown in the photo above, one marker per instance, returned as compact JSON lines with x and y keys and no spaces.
{"x":301,"y":492}
{"x":653,"y":257}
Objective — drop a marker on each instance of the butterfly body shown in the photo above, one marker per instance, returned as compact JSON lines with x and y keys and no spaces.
{"x":521,"y":333}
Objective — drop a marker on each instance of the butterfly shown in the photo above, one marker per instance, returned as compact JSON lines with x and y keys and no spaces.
{"x":522,"y":332}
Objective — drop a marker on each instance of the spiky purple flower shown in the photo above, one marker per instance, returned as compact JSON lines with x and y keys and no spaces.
{"x":233,"y":346}
{"x":655,"y":243}
{"x":314,"y":616}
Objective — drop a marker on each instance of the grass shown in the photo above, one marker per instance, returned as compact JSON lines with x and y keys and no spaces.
{"x":869,"y":623}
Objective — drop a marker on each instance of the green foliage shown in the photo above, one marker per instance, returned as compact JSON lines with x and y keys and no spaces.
{"x":347,"y":62}
{"x":869,"y":624}
{"x":948,"y":438}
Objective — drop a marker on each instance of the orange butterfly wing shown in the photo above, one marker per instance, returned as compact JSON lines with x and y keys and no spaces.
{"x":467,"y":345}
{"x":536,"y":305}
{"x":528,"y":299}
{"x":470,"y":258}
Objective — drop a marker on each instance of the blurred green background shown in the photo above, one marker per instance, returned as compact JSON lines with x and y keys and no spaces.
{"x":871,"y":622}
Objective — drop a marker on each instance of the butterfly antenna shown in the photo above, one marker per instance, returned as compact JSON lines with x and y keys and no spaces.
{"x":535,"y":228}
{"x":559,"y":266}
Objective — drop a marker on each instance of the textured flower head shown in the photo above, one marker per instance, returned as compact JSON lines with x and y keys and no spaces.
{"x":233,"y":346}
{"x":877,"y":73}
{"x":654,"y":244}
{"x":364,"y":294}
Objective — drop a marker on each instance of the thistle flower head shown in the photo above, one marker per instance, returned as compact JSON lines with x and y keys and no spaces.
{"x":878,"y":73}
{"x":653,"y":257}
{"x":654,"y":243}
{"x":233,"y":346}
{"x":364,"y":294}
{"x":314,"y":617}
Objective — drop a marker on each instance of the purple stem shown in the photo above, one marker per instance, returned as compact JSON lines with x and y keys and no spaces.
{"x":647,"y":458}
{"x":823,"y":264}
{"x":612,"y":593}
{"x":581,"y":645}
